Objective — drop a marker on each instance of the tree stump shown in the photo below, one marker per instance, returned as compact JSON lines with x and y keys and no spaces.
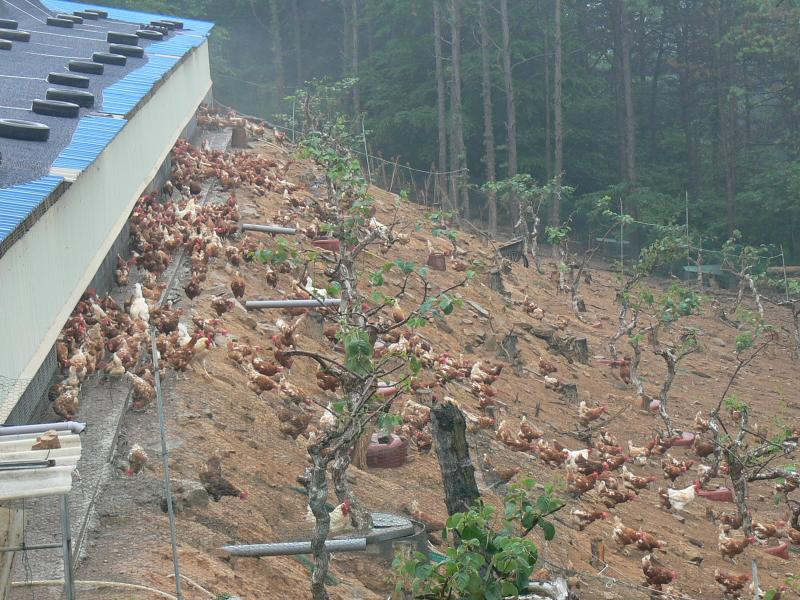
{"x":570,"y":392}
{"x":581,"y":346}
{"x":239,"y":138}
{"x":496,"y":281}
{"x":458,"y":473}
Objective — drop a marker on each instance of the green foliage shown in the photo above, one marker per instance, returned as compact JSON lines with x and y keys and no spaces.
{"x":678,"y":302}
{"x":283,"y":251}
{"x":733,"y":404}
{"x":492,"y":558}
{"x":358,"y":350}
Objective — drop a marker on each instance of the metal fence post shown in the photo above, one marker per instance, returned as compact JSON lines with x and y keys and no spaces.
{"x":66,"y":545}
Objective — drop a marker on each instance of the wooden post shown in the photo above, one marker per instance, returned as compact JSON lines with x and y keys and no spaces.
{"x":11,"y":530}
{"x":458,"y":473}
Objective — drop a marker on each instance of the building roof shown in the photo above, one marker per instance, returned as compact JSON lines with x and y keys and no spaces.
{"x":28,"y":168}
{"x":27,"y":473}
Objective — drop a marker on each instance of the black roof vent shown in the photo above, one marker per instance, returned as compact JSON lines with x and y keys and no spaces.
{"x":85,"y":66}
{"x":30,"y":131}
{"x":56,"y":108}
{"x":8,"y":24}
{"x":150,"y":35}
{"x":56,"y":22}
{"x":126,"y":50}
{"x":109,"y":58}
{"x":70,"y":79}
{"x":17,"y":36}
{"x":74,"y":18}
{"x":84,"y":99}
{"x":117,"y":37}
{"x":91,"y":16}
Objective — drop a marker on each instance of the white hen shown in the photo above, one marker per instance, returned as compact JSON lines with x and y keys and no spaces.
{"x":139,"y":309}
{"x":680,"y":498}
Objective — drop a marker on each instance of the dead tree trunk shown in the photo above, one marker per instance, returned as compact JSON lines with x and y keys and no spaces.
{"x":458,"y":473}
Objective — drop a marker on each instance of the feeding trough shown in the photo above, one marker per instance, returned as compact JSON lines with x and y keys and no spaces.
{"x":265,"y":304}
{"x":331,"y":244}
{"x":437,"y":261}
{"x":684,"y":440}
{"x":386,"y":451}
{"x":269,"y":228}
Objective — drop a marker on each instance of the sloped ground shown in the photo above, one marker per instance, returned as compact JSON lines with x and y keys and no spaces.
{"x":132,"y":541}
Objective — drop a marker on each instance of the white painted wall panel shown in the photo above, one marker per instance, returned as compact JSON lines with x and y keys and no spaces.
{"x":43,"y":275}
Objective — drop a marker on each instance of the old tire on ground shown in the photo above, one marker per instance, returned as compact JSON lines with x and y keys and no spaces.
{"x":74,"y":18}
{"x":109,"y":59}
{"x":168,"y":24}
{"x":56,"y":108}
{"x":8,"y":24}
{"x":84,"y":99}
{"x":102,"y":14}
{"x":15,"y":35}
{"x":24,"y":130}
{"x":126,"y":50}
{"x":70,"y":79}
{"x":56,"y":22}
{"x":90,"y":16}
{"x":387,"y":456}
{"x":86,"y":66}
{"x":117,"y":37}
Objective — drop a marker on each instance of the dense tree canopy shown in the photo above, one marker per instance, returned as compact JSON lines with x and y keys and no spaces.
{"x":662,"y":101}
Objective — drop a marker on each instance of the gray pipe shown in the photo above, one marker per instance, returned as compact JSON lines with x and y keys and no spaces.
{"x":256,"y":304}
{"x":287,"y":548}
{"x":72,"y":426}
{"x":269,"y":228}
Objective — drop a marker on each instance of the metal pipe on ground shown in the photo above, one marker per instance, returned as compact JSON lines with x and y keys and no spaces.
{"x":259,"y":304}
{"x":288,"y":548}
{"x":269,"y":228}
{"x":72,"y":426}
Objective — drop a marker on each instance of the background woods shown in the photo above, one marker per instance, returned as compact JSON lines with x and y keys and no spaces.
{"x":659,"y":103}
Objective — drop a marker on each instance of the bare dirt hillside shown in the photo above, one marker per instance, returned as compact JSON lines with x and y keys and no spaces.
{"x":132,"y":540}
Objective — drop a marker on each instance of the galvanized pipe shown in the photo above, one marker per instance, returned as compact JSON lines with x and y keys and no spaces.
{"x":72,"y":426}
{"x":269,"y":228}
{"x":258,"y":304}
{"x":288,"y":548}
{"x":66,"y":543}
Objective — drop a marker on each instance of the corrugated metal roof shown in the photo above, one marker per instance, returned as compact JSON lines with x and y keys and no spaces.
{"x":123,"y":96}
{"x":44,"y":472}
{"x":17,"y":202}
{"x":91,"y":137}
{"x":131,"y":16}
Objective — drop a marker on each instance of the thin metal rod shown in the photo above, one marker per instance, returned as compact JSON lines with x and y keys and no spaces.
{"x":42,"y":427}
{"x":785,"y":280}
{"x":66,"y":545}
{"x":257,"y":304}
{"x":288,"y":548}
{"x":269,"y":228}
{"x":366,"y":150}
{"x":165,"y":461}
{"x":26,"y":547}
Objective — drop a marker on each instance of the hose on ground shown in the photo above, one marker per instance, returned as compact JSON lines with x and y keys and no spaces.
{"x":99,"y":584}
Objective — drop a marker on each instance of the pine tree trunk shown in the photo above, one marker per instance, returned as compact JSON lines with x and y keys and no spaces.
{"x":354,"y":36}
{"x":726,"y":155}
{"x":298,"y":47}
{"x":458,"y":158}
{"x":548,"y":107}
{"x":488,"y":121}
{"x":441,"y":94}
{"x":347,"y":42}
{"x":555,"y":212}
{"x":511,"y":110}
{"x":627,"y":92}
{"x":277,"y":53}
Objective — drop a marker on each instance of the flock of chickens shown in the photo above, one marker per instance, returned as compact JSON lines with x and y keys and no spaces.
{"x":105,"y":336}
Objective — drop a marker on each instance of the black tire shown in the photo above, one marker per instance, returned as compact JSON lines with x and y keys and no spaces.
{"x":109,"y":59}
{"x":5,"y":45}
{"x":125,"y":50}
{"x":177,"y":24}
{"x":162,"y":30}
{"x":14,"y":35}
{"x":29,"y":131}
{"x":56,"y":22}
{"x":8,"y":24}
{"x":168,"y":24}
{"x":86,"y":66}
{"x":83,"y":14}
{"x":74,"y":18}
{"x":150,"y":35}
{"x":70,"y":79}
{"x":102,"y":14}
{"x":84,"y":99}
{"x":56,"y":108}
{"x":117,"y":37}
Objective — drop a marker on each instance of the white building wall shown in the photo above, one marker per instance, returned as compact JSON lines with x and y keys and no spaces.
{"x":43,"y":275}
